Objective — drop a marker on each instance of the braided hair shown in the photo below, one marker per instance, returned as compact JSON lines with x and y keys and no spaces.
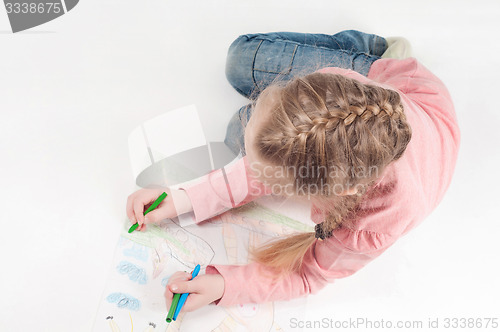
{"x":344,"y":133}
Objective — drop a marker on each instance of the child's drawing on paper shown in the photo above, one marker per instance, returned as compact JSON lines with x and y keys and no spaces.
{"x":142,"y":264}
{"x":243,"y":229}
{"x":144,"y":261}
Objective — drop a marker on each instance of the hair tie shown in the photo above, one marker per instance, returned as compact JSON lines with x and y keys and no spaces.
{"x":320,"y":233}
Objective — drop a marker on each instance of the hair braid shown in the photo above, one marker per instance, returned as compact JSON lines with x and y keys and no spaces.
{"x":329,"y":122}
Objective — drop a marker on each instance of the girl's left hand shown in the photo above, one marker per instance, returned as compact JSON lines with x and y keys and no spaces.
{"x":203,"y":290}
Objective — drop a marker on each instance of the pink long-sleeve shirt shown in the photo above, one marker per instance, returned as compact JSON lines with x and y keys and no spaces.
{"x":411,"y":188}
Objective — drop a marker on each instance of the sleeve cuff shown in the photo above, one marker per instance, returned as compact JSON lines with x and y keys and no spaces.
{"x":197,"y":194}
{"x":213,"y":270}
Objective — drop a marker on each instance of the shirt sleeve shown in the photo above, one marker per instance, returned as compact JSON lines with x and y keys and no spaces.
{"x":337,"y":257}
{"x":223,"y":189}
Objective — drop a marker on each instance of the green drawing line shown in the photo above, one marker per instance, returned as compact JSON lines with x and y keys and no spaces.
{"x":154,"y":232}
{"x":260,"y":212}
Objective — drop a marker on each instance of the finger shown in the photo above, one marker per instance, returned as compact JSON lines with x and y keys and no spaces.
{"x":179,"y":276}
{"x":139,"y":211}
{"x":191,"y":286}
{"x":168,"y":295}
{"x":177,"y":280}
{"x":130,"y":209}
{"x":142,"y":228}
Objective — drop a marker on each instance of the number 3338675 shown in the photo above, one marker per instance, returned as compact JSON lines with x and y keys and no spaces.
{"x":32,"y":7}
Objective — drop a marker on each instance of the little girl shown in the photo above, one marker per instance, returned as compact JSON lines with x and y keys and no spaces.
{"x":370,"y":141}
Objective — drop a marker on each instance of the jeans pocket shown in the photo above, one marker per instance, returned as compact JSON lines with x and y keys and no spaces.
{"x":275,"y":57}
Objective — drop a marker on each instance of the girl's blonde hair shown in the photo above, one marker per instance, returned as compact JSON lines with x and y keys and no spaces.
{"x":344,"y":132}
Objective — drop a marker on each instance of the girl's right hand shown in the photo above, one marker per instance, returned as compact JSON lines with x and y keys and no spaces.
{"x":141,"y":200}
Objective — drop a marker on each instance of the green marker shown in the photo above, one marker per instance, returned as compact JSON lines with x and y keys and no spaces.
{"x":151,"y":208}
{"x":173,"y":306}
{"x":133,"y":227}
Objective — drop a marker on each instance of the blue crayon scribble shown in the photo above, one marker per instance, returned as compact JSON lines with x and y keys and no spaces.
{"x":134,"y":272}
{"x":124,"y":301}
{"x":137,"y":251}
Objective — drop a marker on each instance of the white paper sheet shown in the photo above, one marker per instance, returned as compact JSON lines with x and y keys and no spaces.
{"x":143,"y":261}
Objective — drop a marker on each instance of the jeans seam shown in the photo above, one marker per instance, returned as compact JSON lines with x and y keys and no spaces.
{"x":340,"y":50}
{"x":240,"y":91}
{"x":306,"y":45}
{"x":239,"y":115}
{"x":380,"y":48}
{"x":253,"y":64}
{"x":361,"y":65}
{"x":289,"y":65}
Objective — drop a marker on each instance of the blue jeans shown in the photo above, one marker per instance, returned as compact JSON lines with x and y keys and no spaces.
{"x":256,"y":60}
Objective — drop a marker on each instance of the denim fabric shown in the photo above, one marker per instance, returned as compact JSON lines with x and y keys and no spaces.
{"x":256,"y":60}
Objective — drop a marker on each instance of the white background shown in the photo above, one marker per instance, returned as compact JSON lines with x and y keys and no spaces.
{"x":73,"y":89}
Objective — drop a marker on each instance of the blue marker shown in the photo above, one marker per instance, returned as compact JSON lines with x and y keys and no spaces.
{"x":185,"y":295}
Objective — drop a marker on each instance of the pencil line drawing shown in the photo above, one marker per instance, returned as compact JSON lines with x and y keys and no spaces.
{"x":167,"y":248}
{"x":170,"y":248}
{"x":245,"y":228}
{"x":144,"y":261}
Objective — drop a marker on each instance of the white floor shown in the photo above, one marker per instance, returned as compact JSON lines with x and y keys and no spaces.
{"x":74,"y":88}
